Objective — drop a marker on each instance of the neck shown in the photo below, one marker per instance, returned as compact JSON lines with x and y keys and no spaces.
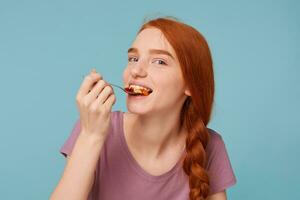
{"x":154,"y":134}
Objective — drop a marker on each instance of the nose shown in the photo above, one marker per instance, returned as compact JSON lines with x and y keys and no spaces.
{"x":138,"y":70}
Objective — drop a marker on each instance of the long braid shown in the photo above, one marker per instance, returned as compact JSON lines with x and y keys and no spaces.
{"x":195,"y":159}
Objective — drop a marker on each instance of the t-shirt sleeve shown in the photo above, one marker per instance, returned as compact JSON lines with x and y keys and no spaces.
{"x":219,"y":168}
{"x":67,"y":147}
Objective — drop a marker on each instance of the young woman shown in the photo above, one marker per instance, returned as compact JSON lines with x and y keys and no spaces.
{"x":161,"y":148}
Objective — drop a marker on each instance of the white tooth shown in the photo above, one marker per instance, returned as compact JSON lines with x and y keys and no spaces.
{"x":138,"y":87}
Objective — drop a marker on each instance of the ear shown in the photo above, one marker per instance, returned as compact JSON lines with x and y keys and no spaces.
{"x":187,"y":92}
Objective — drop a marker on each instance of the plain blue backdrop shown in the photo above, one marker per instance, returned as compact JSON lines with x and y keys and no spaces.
{"x":47,"y":46}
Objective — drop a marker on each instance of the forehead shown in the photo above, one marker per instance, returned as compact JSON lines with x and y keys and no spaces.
{"x":152,"y":38}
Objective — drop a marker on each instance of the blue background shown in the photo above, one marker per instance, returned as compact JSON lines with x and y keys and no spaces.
{"x":47,"y":46}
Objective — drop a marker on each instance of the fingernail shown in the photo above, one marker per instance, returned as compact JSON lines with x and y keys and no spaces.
{"x":93,"y":70}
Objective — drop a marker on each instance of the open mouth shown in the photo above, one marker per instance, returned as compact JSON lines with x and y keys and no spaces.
{"x":137,"y":90}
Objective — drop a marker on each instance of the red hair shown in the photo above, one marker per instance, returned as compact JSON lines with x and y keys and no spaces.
{"x":195,"y":61}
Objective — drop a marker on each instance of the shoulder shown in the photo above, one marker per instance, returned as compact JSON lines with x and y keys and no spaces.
{"x":112,"y":141}
{"x":115,"y":112}
{"x":215,"y":138}
{"x":218,"y":163}
{"x":216,"y":148}
{"x":117,"y":116}
{"x":116,"y":122}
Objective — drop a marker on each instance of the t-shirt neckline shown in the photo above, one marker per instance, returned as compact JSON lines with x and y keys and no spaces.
{"x":136,"y":165}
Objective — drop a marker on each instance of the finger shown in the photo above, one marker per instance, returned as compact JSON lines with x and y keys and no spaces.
{"x":93,"y":70}
{"x":99,"y":86}
{"x":111,"y":100}
{"x":88,"y":83}
{"x":107,"y":106}
{"x":103,"y":95}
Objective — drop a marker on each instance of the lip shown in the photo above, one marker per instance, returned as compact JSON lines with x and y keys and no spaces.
{"x":137,"y":97}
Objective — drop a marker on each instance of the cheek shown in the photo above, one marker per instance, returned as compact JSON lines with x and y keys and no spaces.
{"x":170,"y":86}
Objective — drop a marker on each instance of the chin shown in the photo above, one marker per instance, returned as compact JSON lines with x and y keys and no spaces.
{"x":137,"y":109}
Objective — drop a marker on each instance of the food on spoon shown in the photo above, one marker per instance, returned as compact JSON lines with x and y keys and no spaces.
{"x":138,"y":90}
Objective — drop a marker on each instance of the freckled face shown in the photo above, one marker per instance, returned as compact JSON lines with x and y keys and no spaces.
{"x":152,"y":62}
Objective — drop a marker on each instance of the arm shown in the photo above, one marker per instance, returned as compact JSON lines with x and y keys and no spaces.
{"x":78,"y":176}
{"x":218,"y":196}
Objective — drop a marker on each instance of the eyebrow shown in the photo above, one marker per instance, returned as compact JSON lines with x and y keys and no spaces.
{"x":152,"y":51}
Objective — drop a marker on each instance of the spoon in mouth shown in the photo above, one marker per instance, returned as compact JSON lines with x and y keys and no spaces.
{"x":125,"y":90}
{"x":131,"y":91}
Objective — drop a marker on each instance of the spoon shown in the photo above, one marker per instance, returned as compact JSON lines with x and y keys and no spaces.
{"x":127,"y":91}
{"x":124,"y":90}
{"x":131,"y":91}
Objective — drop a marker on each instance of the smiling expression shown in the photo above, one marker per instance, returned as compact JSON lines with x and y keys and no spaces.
{"x":152,"y":63}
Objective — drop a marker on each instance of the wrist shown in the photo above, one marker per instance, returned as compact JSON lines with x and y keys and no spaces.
{"x":92,"y":138}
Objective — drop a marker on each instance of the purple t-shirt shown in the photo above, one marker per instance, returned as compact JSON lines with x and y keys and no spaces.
{"x":121,"y":177}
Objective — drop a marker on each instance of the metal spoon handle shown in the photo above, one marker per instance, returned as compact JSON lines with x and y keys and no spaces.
{"x":118,"y":87}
